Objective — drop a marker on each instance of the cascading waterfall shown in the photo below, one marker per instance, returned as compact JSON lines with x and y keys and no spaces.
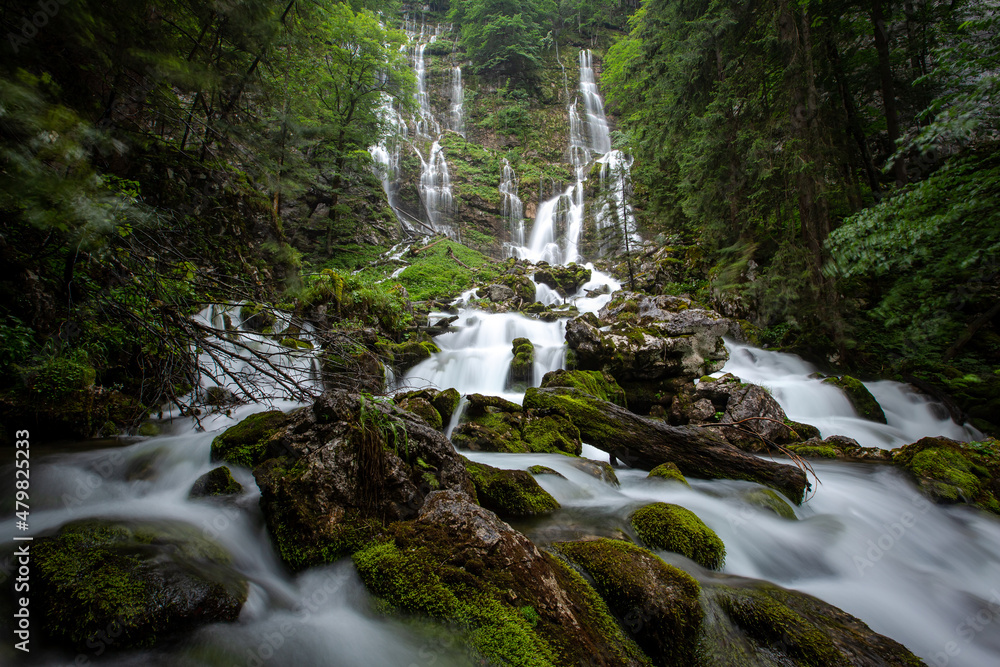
{"x":385,"y":155}
{"x":512,"y":206}
{"x":435,"y":186}
{"x":457,"y":101}
{"x":427,"y":125}
{"x":615,"y":219}
{"x":562,"y":217}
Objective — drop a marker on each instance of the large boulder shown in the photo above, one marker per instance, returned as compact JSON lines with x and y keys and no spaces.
{"x":646,"y":443}
{"x":599,"y":384}
{"x":522,"y":367}
{"x":955,"y":472}
{"x":757,"y":418}
{"x":344,"y":467}
{"x":135,"y":582}
{"x":216,"y":482}
{"x":246,"y":443}
{"x":637,"y":337}
{"x":565,"y":280}
{"x":861,"y":399}
{"x":460,"y":564}
{"x":494,"y":424}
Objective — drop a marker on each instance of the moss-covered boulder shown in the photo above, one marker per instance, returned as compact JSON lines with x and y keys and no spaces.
{"x":490,"y":424}
{"x":522,"y":368}
{"x":446,"y":402}
{"x":759,"y":419}
{"x":404,"y":356}
{"x":523,"y":288}
{"x":599,"y":384}
{"x":509,"y":493}
{"x":756,"y":623}
{"x":460,"y":564}
{"x":955,"y":472}
{"x":859,"y":396}
{"x":601,"y":470}
{"x":246,"y":443}
{"x":550,"y":431}
{"x":566,"y":279}
{"x":668,"y":471}
{"x":646,"y":443}
{"x":678,"y":529}
{"x":344,"y":468}
{"x":140,"y":582}
{"x":657,"y":603}
{"x":216,"y":482}
{"x":423,"y":408}
{"x":257,"y":317}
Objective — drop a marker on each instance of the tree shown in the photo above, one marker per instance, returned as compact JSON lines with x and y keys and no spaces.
{"x":503,"y":37}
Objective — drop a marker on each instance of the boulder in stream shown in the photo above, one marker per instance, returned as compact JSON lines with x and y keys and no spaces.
{"x":678,"y":529}
{"x":129,"y":584}
{"x":949,"y":471}
{"x":859,"y":396}
{"x":216,"y":482}
{"x":509,"y":493}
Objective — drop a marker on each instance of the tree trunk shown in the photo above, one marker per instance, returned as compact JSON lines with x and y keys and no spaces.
{"x":888,"y":88}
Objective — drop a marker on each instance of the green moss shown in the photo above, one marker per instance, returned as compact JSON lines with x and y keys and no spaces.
{"x":246,"y":443}
{"x":599,"y":384}
{"x":419,"y":579}
{"x":952,"y":472}
{"x":509,"y":493}
{"x":542,"y":470}
{"x":801,"y":432}
{"x":296,"y":344}
{"x":860,"y":397}
{"x":627,"y":577}
{"x":815,"y":451}
{"x":551,"y":433}
{"x":668,"y":471}
{"x":423,"y":408}
{"x":770,"y":500}
{"x":675,"y":528}
{"x":772,"y":623}
{"x":433,"y":274}
{"x":446,"y":402}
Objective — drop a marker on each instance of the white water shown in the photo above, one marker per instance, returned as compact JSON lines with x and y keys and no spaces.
{"x":511,"y":205}
{"x":457,"y":101}
{"x":616,"y":218}
{"x":596,"y":122}
{"x":806,"y":398}
{"x":435,"y":186}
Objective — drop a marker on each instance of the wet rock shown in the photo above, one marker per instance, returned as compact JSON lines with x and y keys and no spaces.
{"x":490,"y":424}
{"x":769,"y":500}
{"x":668,"y":471}
{"x":751,"y":407}
{"x":543,"y":470}
{"x":219,"y":396}
{"x":246,"y":443}
{"x":216,"y":482}
{"x":646,"y":443}
{"x":551,"y":431}
{"x":675,"y":528}
{"x":343,"y":468}
{"x":641,"y":338}
{"x":566,"y":280}
{"x":955,"y":472}
{"x":459,"y":563}
{"x":599,"y":384}
{"x":601,"y":470}
{"x":497,"y":293}
{"x":509,"y":493}
{"x":138,"y":582}
{"x":522,"y":367}
{"x":859,"y":396}
{"x":404,"y":356}
{"x":751,"y":622}
{"x":657,"y":603}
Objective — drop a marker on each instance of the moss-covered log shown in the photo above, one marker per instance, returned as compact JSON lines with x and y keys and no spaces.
{"x":646,"y":443}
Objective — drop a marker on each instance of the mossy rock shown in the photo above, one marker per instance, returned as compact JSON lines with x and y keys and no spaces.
{"x":859,"y":396}
{"x":446,"y":402}
{"x":814,"y":451}
{"x":657,"y":603}
{"x":424,"y":409}
{"x":566,"y":280}
{"x":522,"y":366}
{"x":543,"y":470}
{"x":405,"y":356}
{"x":148,"y":430}
{"x":601,"y":470}
{"x":771,"y":501}
{"x":668,"y":471}
{"x":757,"y":623}
{"x":599,"y":384}
{"x":675,"y":528}
{"x":144,"y":581}
{"x":257,"y":317}
{"x":296,"y":344}
{"x":522,"y":286}
{"x":216,"y":482}
{"x":490,"y":424}
{"x":955,"y":472}
{"x":801,"y":432}
{"x":246,"y":443}
{"x":551,"y":431}
{"x":509,"y":493}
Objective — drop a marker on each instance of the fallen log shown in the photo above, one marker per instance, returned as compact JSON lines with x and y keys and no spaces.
{"x":646,"y":443}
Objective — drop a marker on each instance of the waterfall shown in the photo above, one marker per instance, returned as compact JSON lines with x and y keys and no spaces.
{"x":597,"y":122}
{"x":435,"y":186}
{"x":457,"y":101}
{"x":513,"y":207}
{"x":615,"y":218}
{"x":427,"y":125}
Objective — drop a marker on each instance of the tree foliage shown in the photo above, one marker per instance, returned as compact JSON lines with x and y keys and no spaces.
{"x":503,"y":37}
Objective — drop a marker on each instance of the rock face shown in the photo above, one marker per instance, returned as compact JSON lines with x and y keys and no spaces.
{"x":133,"y":583}
{"x":646,"y":443}
{"x":342,"y":468}
{"x":458,"y":562}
